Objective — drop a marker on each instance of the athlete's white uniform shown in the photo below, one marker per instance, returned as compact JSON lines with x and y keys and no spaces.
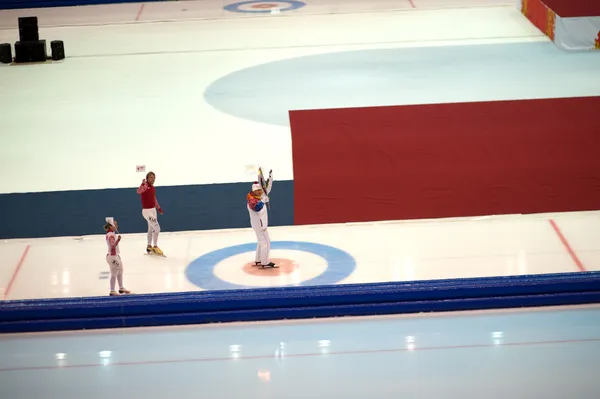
{"x":259,"y":220}
{"x":113,"y":259}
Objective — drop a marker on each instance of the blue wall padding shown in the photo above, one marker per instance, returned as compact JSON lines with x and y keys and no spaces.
{"x":187,"y":208}
{"x":299,"y":302}
{"x":303,"y":312}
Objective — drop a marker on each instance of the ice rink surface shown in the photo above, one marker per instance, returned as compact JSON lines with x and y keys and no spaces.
{"x":549,"y":353}
{"x":309,"y":255}
{"x":538,"y":353}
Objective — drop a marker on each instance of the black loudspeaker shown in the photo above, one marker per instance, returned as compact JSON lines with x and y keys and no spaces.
{"x":5,"y":53}
{"x":31,"y":51}
{"x":28,"y":29}
{"x":58,"y":50}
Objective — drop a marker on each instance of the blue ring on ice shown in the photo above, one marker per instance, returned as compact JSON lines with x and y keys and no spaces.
{"x":235,"y":7}
{"x":340,"y":265}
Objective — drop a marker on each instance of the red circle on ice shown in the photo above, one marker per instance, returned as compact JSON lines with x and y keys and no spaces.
{"x":263,"y":5}
{"x":286,"y":266}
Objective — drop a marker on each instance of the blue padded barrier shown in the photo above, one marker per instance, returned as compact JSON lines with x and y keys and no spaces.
{"x":299,"y":302}
{"x":302,"y":312}
{"x":297,"y":296}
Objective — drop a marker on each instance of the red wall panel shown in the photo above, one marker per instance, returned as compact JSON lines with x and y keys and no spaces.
{"x":446,"y":160}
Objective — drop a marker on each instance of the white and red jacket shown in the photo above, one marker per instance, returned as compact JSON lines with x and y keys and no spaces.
{"x":113,"y":243}
{"x":259,"y":217}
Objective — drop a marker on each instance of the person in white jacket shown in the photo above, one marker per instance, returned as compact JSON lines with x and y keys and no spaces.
{"x":257,"y":201}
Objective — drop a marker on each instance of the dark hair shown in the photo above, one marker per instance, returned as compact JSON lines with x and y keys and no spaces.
{"x":107,"y":226}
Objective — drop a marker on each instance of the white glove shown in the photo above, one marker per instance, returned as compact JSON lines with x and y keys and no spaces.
{"x":265,"y":199}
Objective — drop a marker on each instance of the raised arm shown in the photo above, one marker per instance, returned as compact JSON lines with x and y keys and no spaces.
{"x":143,"y":187}
{"x":269,"y":182}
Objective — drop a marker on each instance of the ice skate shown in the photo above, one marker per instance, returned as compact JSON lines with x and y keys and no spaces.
{"x":124,"y":291}
{"x":270,"y":264}
{"x":113,"y":293}
{"x":158,"y":251}
{"x":150,"y":250}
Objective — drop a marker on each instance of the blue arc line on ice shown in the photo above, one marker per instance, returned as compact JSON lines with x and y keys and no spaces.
{"x":420,"y":75}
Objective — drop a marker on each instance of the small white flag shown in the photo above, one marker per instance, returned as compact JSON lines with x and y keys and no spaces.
{"x":251,"y":170}
{"x":140,"y":168}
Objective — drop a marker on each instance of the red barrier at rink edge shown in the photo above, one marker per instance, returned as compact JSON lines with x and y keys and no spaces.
{"x":446,"y":160}
{"x":574,"y":8}
{"x":539,"y":15}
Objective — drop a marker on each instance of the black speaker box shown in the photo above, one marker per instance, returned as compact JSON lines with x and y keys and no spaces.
{"x":58,"y":50}
{"x":28,"y":29}
{"x":5,"y":53}
{"x":31,"y":51}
